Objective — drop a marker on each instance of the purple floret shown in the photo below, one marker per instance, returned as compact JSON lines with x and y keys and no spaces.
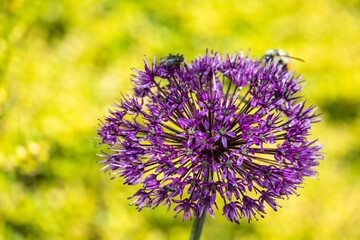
{"x":219,"y":130}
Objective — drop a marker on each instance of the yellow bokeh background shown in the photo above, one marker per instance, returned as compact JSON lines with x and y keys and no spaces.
{"x":62,"y":64}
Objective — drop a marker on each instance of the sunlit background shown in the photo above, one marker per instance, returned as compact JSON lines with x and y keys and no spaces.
{"x":62,"y":64}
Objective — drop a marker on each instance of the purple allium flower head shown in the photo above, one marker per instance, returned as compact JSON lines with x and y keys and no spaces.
{"x":221,"y":130}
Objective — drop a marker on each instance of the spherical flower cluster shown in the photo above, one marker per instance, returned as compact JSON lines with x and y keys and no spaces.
{"x":221,"y":130}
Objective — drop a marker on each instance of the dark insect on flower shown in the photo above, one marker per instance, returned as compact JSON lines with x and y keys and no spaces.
{"x":280,"y":57}
{"x":172,"y":60}
{"x":222,"y":128}
{"x":169,"y":189}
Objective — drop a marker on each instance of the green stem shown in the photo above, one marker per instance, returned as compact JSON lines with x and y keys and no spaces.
{"x":197,"y":227}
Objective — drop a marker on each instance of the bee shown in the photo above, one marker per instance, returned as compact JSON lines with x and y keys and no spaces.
{"x":172,"y":60}
{"x":280,"y":57}
{"x":169,"y":189}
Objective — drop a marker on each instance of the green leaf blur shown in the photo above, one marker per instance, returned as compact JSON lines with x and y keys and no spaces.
{"x":62,"y":64}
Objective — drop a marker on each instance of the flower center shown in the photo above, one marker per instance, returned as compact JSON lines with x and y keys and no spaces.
{"x":244,"y":151}
{"x":227,"y":164}
{"x":222,"y":131}
{"x":191,"y":131}
{"x":188,"y":151}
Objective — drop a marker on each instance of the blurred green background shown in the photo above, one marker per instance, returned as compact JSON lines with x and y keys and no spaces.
{"x":62,"y":64}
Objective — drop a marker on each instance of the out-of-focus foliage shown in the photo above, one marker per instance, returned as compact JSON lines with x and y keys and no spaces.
{"x":62,"y":63}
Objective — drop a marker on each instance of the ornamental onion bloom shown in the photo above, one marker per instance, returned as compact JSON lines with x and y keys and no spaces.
{"x":225,"y":131}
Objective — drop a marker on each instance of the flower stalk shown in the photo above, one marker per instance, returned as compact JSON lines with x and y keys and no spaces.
{"x":197,"y":227}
